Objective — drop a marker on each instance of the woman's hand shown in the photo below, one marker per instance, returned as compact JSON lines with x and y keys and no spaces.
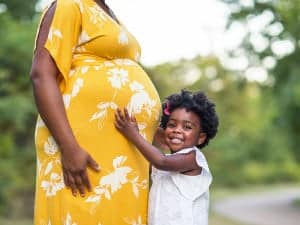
{"x":74,"y":166}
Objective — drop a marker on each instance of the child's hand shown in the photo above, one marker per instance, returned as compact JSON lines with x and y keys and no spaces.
{"x":159,"y":139}
{"x":126,"y":124}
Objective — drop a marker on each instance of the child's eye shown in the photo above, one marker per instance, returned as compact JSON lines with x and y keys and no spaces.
{"x":171,"y":125}
{"x":187,"y":127}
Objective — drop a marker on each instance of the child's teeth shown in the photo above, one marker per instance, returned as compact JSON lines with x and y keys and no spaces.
{"x":176,"y":141}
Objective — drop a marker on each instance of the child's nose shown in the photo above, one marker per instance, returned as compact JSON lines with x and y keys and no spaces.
{"x":177,"y":129}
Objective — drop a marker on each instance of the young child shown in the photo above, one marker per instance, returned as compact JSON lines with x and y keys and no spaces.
{"x":179,"y":194}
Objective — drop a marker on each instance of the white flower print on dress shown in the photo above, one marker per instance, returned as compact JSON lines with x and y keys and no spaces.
{"x":39,"y":123}
{"x":123,"y":62}
{"x":97,"y":16}
{"x":68,"y":220}
{"x":90,"y":61}
{"x":118,"y":177}
{"x":66,"y":100}
{"x":102,"y":113}
{"x":140,"y":100}
{"x":118,"y":62}
{"x":50,"y":146}
{"x":138,"y":221}
{"x":114,"y":181}
{"x":72,"y":72}
{"x":54,"y":32}
{"x":80,"y":5}
{"x":38,"y":166}
{"x":136,"y":186}
{"x":84,"y":69}
{"x":108,"y":64}
{"x":83,"y":37}
{"x":52,"y":186}
{"x":80,"y":49}
{"x":118,"y":77}
{"x":77,"y":86}
{"x":123,"y":38}
{"x":142,"y":127}
{"x":48,"y":168}
{"x":97,"y":68}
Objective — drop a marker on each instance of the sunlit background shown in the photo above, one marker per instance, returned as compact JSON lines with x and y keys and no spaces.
{"x":243,"y":53}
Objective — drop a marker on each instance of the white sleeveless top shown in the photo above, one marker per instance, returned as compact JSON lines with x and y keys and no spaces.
{"x":178,"y":199}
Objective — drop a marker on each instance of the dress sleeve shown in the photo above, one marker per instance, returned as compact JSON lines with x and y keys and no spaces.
{"x":201,"y":161}
{"x":192,"y":187}
{"x":63,"y":34}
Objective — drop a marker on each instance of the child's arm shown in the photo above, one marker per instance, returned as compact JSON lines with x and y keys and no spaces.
{"x":177,"y":162}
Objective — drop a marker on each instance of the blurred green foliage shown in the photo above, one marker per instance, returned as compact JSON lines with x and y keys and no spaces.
{"x":17,"y":111}
{"x":256,"y":142}
{"x":281,"y":30}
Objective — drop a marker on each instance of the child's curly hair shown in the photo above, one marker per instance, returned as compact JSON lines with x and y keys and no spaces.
{"x":198,"y":103}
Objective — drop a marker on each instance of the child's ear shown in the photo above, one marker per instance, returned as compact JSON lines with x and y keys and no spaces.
{"x":202,"y":138}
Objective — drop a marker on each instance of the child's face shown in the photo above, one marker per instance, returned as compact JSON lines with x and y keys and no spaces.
{"x":183,"y":130}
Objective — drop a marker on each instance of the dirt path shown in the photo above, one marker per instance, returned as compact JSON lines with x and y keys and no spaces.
{"x":264,"y":208}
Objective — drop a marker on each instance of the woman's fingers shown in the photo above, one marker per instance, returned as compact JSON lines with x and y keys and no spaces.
{"x":66,"y":180}
{"x":79,"y":184}
{"x":86,"y":180}
{"x":75,"y":171}
{"x":72,"y":184}
{"x":92,"y":164}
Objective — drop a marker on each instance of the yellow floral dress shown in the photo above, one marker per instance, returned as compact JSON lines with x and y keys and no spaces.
{"x":97,"y":58}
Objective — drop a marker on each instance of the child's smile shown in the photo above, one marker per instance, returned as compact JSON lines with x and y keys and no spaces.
{"x":176,"y":140}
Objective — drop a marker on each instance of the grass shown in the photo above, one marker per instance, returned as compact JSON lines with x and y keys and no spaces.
{"x":215,"y":219}
{"x":16,"y":222}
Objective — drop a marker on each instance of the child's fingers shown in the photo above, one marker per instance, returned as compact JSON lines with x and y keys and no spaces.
{"x":117,"y":125}
{"x":120,"y":114}
{"x":119,"y":118}
{"x":133,"y":119}
{"x":129,"y":117}
{"x":126,"y":114}
{"x":117,"y":115}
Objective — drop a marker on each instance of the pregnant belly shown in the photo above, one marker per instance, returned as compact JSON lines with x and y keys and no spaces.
{"x":94,"y":91}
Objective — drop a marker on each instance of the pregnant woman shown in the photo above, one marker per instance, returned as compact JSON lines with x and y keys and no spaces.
{"x":84,"y":68}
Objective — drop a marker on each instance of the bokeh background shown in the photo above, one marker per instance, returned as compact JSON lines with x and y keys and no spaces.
{"x":255,"y":83}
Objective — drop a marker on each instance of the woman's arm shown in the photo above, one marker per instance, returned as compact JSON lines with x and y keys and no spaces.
{"x":50,"y":105}
{"x":177,"y":162}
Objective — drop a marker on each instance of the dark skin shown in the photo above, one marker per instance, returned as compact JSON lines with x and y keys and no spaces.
{"x":44,"y":73}
{"x":184,"y":163}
